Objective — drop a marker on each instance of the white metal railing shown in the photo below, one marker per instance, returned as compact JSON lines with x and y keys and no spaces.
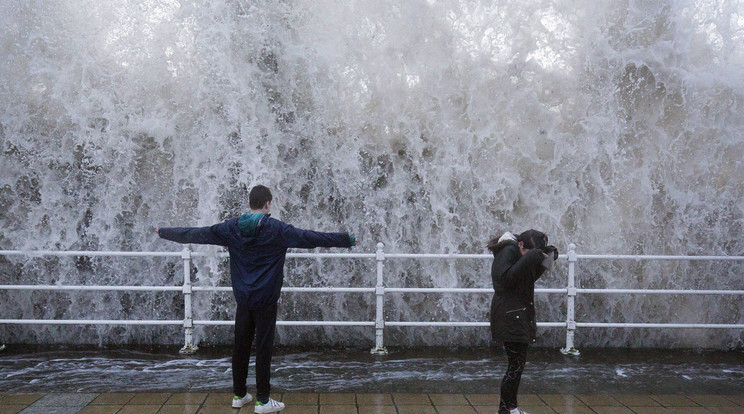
{"x":380,"y":257}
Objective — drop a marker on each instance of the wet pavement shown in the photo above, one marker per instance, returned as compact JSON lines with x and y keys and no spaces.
{"x":364,"y":403}
{"x":419,"y":380}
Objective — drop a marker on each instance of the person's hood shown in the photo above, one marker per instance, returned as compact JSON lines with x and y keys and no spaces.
{"x":507,"y":236}
{"x":505,"y":240}
{"x":248,"y":223}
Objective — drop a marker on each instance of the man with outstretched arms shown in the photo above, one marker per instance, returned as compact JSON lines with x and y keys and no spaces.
{"x":257,"y":244}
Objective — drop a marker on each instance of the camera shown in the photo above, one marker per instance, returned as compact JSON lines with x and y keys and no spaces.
{"x":551,"y":251}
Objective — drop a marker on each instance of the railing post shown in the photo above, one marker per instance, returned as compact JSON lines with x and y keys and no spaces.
{"x":379,"y":348}
{"x":188,"y":320}
{"x":570,"y":349}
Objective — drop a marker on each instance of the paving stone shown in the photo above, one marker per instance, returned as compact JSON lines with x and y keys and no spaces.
{"x":100,"y":409}
{"x":140,"y":409}
{"x":572,"y":409}
{"x":300,"y":398}
{"x":374,"y":399}
{"x":65,"y":400}
{"x":603,"y":409}
{"x":483,"y":399}
{"x":726,"y":410}
{"x":337,"y":399}
{"x":300,"y":409}
{"x":441,"y":400}
{"x":737,"y":399}
{"x":219,"y":398}
{"x":538,"y":409}
{"x":456,"y":409}
{"x":377,"y":409}
{"x":636,"y":400}
{"x":562,"y":400}
{"x":50,"y":410}
{"x":224,"y":409}
{"x":20,"y":399}
{"x":487,"y":409}
{"x":113,"y":398}
{"x":178,"y":409}
{"x":187,"y":398}
{"x":410,"y":399}
{"x":651,"y":410}
{"x":689,"y":410}
{"x":674,"y":400}
{"x":11,"y":409}
{"x":529,"y":400}
{"x":150,"y":398}
{"x":598,"y":400}
{"x":338,"y":409}
{"x":711,"y":400}
{"x":416,"y":409}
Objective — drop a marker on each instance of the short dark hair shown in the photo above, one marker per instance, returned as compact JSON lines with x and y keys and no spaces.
{"x":533,"y":239}
{"x":259,"y":196}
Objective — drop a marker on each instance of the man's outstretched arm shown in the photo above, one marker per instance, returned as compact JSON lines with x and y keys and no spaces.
{"x":308,"y":239}
{"x":197,"y":235}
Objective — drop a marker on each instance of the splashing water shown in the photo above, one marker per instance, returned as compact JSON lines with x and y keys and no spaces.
{"x":429,"y":126}
{"x":428,"y":370}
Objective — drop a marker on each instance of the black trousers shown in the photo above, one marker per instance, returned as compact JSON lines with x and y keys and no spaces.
{"x":261,"y":324}
{"x":516,"y":353}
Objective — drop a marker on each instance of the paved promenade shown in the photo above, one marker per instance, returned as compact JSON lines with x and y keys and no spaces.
{"x":407,"y":381}
{"x":349,"y":403}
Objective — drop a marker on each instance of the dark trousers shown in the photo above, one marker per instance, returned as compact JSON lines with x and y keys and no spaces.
{"x":261,"y":324}
{"x":516,"y":353}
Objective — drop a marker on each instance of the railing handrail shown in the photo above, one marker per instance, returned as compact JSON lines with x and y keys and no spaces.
{"x":312,"y":255}
{"x":379,"y":290}
{"x":220,"y":253}
{"x":655,"y":257}
{"x":333,"y":289}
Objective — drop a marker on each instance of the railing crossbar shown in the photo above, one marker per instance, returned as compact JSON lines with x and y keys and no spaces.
{"x":661,"y":291}
{"x":464,"y":324}
{"x":659,"y":325}
{"x":462,"y":290}
{"x":85,"y":253}
{"x":90,"y":322}
{"x":656,"y":257}
{"x":291,"y":323}
{"x":94,"y":288}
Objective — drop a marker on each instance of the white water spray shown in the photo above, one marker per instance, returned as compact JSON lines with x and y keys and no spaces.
{"x":428,"y":125}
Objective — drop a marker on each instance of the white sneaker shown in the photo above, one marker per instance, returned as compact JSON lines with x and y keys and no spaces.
{"x":239,"y":402}
{"x":517,"y":411}
{"x":270,"y":407}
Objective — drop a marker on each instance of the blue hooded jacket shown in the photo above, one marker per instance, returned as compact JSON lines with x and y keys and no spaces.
{"x":258,"y":246}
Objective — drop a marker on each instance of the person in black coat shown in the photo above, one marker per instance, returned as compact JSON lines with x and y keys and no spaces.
{"x":518,"y":261}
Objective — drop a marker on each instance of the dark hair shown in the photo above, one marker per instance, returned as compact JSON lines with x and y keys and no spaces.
{"x":259,"y":196}
{"x":492,"y":244}
{"x":533,"y":239}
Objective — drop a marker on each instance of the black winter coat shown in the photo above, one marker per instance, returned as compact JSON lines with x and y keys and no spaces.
{"x":513,"y":304}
